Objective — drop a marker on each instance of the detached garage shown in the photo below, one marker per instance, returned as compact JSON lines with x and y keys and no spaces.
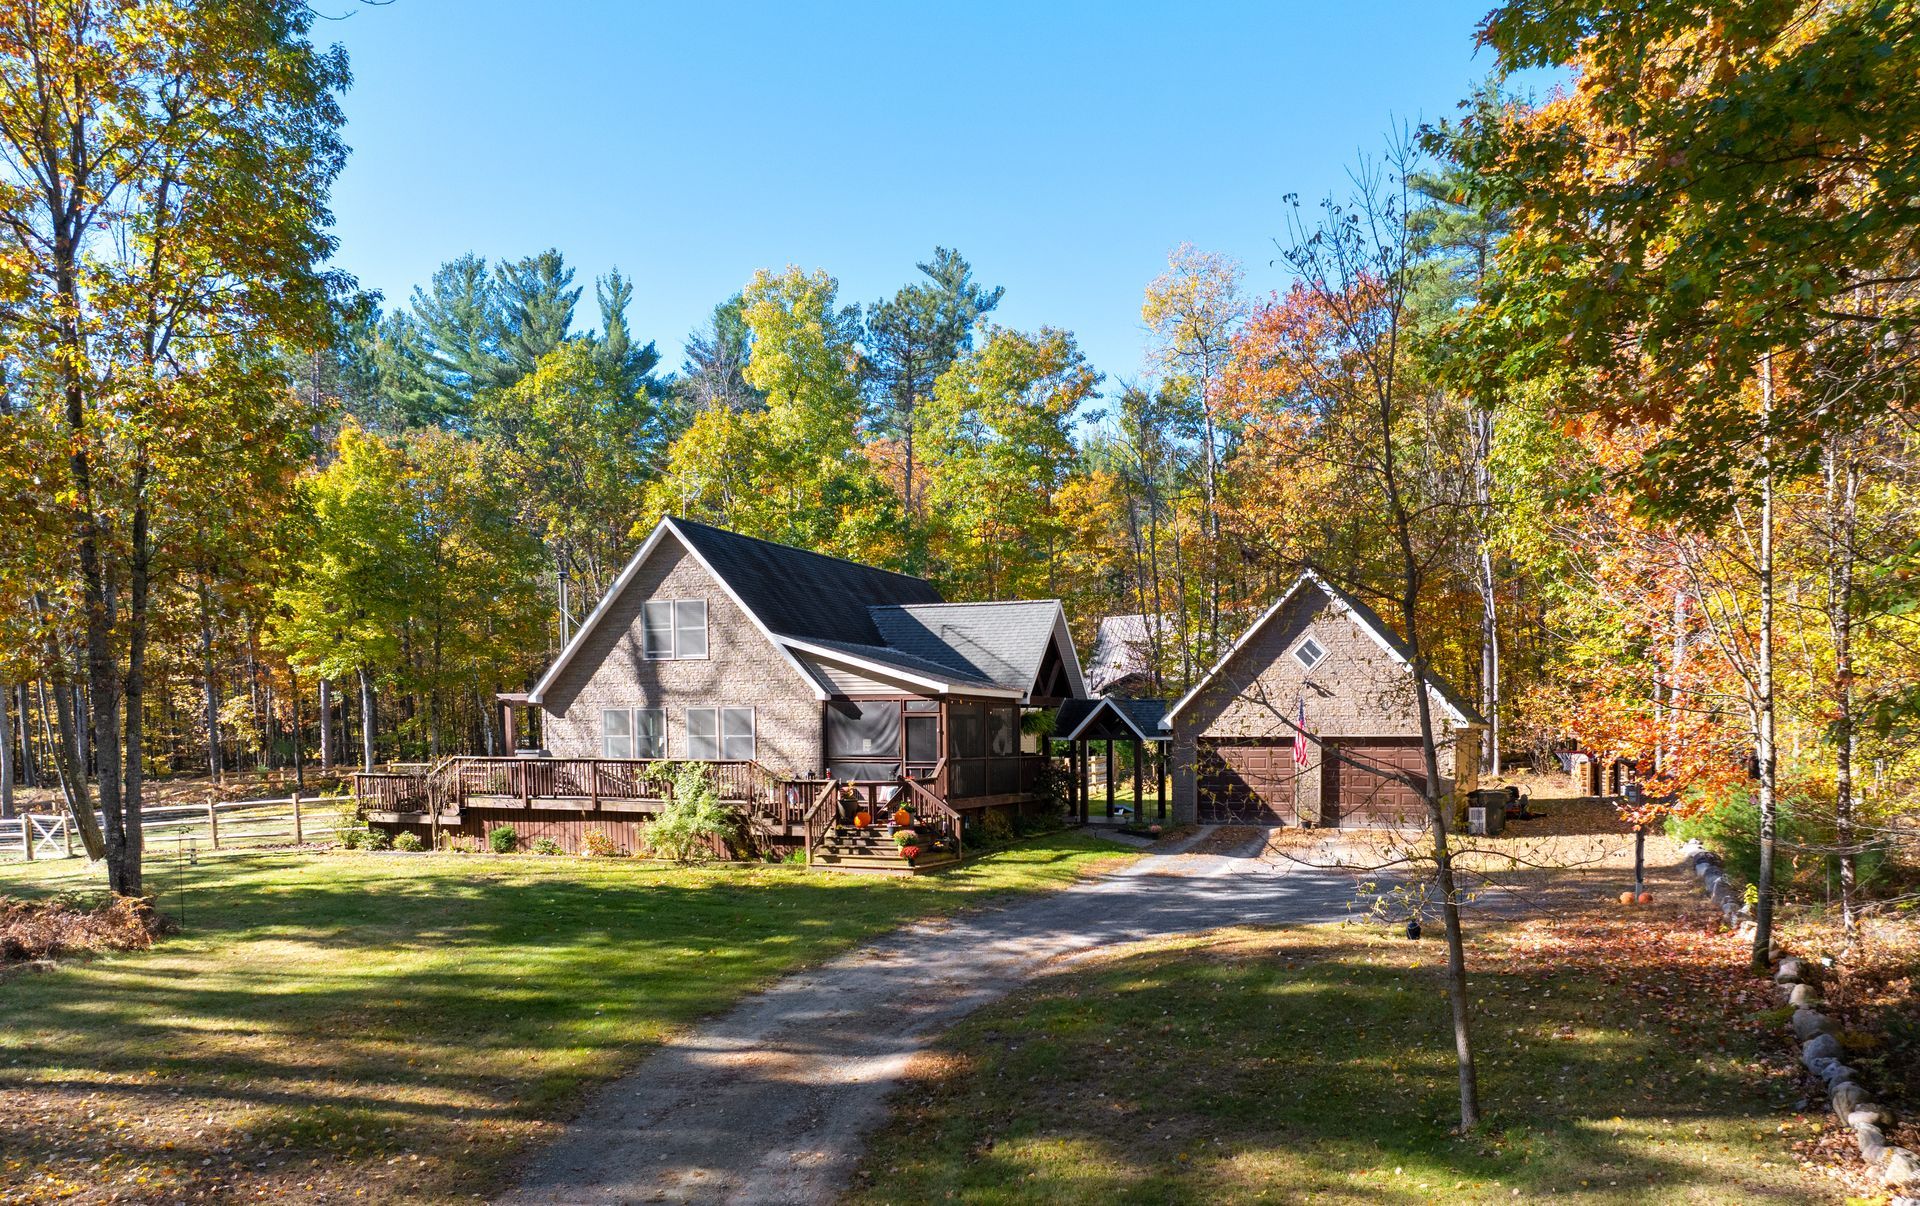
{"x":1322,"y":663}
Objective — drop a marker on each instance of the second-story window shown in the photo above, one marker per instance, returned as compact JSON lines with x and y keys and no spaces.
{"x":674,"y":629}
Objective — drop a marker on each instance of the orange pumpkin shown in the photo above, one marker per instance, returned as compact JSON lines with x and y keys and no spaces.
{"x":1646,"y":898}
{"x":903,"y":818}
{"x":862,"y":819}
{"x":1626,"y":898}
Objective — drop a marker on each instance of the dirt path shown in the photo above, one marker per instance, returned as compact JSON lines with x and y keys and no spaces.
{"x":772,"y":1102}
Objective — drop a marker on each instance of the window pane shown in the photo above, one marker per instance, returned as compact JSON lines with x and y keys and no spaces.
{"x":703,"y":733}
{"x":923,"y":705}
{"x":690,"y":628}
{"x":616,"y":733}
{"x":736,"y":734}
{"x":650,"y":733}
{"x":656,"y":623}
{"x":923,"y":739}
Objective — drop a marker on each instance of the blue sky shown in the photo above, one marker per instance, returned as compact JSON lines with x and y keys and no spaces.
{"x":1063,"y":147}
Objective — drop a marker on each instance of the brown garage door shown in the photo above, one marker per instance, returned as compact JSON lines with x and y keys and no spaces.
{"x":1365,"y":791}
{"x":1246,"y":780}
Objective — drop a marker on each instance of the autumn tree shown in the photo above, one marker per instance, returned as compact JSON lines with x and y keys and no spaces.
{"x":998,"y":435}
{"x":163,"y":209}
{"x":1710,"y":235}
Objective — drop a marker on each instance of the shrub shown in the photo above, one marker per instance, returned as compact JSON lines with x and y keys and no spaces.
{"x":410,"y":843}
{"x":43,"y":929}
{"x":597,"y":844}
{"x":379,"y":839}
{"x":1731,"y":827}
{"x":995,"y":827}
{"x":503,"y":839}
{"x":545,"y":845}
{"x":352,"y":838}
{"x":687,"y":828}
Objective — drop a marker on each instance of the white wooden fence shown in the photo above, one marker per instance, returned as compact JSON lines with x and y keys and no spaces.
{"x":228,"y":825}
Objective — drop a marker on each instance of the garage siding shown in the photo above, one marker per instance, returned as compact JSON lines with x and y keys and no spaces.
{"x":1358,"y":693}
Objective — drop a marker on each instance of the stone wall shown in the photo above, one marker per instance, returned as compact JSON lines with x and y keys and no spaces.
{"x":742,"y":669}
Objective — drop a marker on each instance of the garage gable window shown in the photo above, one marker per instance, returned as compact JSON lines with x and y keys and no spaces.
{"x":1309,"y":653}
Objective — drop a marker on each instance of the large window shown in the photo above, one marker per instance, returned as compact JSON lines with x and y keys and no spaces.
{"x":720,"y":734}
{"x":633,"y":733}
{"x":674,"y":629}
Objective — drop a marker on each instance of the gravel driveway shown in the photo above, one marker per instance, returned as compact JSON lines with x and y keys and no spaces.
{"x":771,"y":1102}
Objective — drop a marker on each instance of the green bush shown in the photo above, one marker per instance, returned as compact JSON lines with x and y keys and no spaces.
{"x":379,"y":839}
{"x":1731,"y":829}
{"x":503,"y":839}
{"x":598,"y":844}
{"x":687,"y":828}
{"x":545,"y":845}
{"x":352,"y":838}
{"x":410,"y":843}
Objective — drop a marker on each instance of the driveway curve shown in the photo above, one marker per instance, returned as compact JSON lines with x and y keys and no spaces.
{"x":771,"y":1101}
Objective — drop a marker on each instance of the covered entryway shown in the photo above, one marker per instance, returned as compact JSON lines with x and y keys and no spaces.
{"x":1108,"y":722}
{"x":1375,"y":781}
{"x":1247,"y":780}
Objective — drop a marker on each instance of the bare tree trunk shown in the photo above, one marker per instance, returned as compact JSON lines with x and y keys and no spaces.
{"x":326,"y":726}
{"x":6,"y":752}
{"x":366,"y":722}
{"x":29,"y":765}
{"x":1843,"y":490}
{"x":71,"y":770}
{"x":299,"y":743}
{"x":216,"y":764}
{"x":1484,"y":579}
{"x":1764,"y":751}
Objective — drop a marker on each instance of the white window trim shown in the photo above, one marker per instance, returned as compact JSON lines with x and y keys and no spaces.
{"x":1299,"y":650}
{"x":672,"y":653}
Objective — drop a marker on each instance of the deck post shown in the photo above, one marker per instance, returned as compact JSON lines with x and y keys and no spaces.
{"x":298,"y":837}
{"x":1139,"y":781}
{"x":1109,"y":744}
{"x":1160,"y":765}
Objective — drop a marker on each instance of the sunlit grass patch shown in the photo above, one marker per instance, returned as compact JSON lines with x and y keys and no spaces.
{"x":1317,"y":1064}
{"x":367,"y":1026}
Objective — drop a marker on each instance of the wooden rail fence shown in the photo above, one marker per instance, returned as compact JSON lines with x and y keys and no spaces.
{"x":223,"y":825}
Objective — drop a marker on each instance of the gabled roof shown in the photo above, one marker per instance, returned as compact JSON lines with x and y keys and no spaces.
{"x":1141,"y":717}
{"x":800,"y":594}
{"x":815,"y":608}
{"x":1364,"y":618}
{"x":1004,"y":643}
{"x":1122,"y":648}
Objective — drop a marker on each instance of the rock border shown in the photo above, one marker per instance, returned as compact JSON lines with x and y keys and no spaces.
{"x":1797,"y":982}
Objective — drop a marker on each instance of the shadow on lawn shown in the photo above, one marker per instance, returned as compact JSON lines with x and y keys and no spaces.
{"x":1321,"y":1062}
{"x":360,"y":1005}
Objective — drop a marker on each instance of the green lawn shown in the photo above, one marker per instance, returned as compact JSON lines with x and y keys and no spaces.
{"x":1317,"y":1064}
{"x":400,"y":1026}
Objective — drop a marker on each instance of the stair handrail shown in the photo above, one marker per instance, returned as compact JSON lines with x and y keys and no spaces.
{"x":940,"y":808}
{"x":829,"y":795}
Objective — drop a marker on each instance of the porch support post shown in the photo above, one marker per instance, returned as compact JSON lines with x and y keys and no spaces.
{"x":1160,"y":764}
{"x":1109,"y":744}
{"x":1139,"y":780}
{"x":1080,"y":787}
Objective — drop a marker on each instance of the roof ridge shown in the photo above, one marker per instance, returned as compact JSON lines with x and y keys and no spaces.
{"x":794,"y":548}
{"x":974,"y":603}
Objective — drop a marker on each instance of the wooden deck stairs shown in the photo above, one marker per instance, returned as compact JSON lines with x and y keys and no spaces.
{"x":872,"y":851}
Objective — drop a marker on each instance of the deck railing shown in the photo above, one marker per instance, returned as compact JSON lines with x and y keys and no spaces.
{"x":456,"y":782}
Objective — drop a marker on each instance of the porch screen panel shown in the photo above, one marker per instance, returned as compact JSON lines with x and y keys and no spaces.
{"x":923,"y":740}
{"x":1003,"y":749}
{"x":863,"y":739}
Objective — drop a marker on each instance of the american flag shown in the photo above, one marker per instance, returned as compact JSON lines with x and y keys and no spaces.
{"x":1300,"y":737}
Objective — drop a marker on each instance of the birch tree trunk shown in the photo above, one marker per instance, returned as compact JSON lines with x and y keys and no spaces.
{"x":6,"y":752}
{"x":1843,"y":491}
{"x":326,"y":726}
{"x":1764,"y":752}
